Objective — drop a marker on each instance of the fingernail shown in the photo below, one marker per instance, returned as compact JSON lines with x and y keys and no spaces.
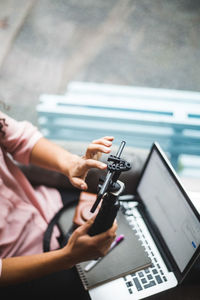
{"x":83,"y":186}
{"x":107,"y":149}
{"x":103,"y":166}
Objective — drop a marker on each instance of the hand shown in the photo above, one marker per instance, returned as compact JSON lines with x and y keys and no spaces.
{"x":82,"y":247}
{"x":79,"y":166}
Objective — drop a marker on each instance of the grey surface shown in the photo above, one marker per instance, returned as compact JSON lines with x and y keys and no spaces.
{"x":127,"y":42}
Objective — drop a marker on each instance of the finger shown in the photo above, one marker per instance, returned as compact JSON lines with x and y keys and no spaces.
{"x":109,"y":241}
{"x":98,"y":148}
{"x":109,"y":138}
{"x":91,"y":163}
{"x":79,"y":183}
{"x":103,"y":141}
{"x":83,"y":229}
{"x":113,"y":229}
{"x":111,"y":232}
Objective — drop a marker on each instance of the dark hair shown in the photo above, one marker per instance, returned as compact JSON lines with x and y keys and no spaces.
{"x":2,"y":124}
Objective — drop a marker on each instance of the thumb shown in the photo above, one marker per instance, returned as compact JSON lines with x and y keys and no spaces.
{"x":83,"y":229}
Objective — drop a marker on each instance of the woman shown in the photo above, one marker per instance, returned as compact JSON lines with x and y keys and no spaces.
{"x":26,"y":211}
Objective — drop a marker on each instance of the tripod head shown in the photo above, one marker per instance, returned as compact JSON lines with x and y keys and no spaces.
{"x":116,"y":165}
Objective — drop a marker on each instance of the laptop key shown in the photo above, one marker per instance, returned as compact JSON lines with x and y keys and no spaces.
{"x":125,"y":279}
{"x":141,"y":274}
{"x":165,"y":279}
{"x":149,"y":277}
{"x":137,"y":284}
{"x":129,"y":284}
{"x":130,"y":291}
{"x":143,"y":280}
{"x":150,"y":284}
{"x":158,"y":278}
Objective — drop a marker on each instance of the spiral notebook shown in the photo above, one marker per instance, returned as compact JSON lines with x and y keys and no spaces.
{"x":126,"y":258}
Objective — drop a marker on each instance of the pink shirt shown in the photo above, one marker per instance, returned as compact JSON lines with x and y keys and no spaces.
{"x":24,"y":211}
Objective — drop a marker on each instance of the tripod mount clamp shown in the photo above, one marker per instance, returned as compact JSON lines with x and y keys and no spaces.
{"x":116,"y":165}
{"x":109,"y":189}
{"x":120,"y":190}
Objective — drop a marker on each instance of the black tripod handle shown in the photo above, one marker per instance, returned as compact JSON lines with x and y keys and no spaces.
{"x":106,"y":215}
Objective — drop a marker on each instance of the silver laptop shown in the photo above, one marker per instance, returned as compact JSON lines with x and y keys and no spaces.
{"x":168,"y":225}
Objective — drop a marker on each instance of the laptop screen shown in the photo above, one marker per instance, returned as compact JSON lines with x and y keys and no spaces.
{"x":168,"y":208}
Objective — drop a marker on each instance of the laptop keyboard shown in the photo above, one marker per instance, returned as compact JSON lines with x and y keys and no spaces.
{"x":153,"y":275}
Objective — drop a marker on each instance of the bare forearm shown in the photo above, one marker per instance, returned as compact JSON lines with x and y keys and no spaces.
{"x":25,"y":268}
{"x":49,"y":155}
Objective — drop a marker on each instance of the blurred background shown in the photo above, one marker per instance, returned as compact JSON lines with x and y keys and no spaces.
{"x":45,"y":44}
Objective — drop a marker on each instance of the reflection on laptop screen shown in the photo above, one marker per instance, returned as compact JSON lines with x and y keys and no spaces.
{"x":169,"y":210}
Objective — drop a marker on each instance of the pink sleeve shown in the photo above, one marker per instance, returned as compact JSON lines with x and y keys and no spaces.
{"x":19,"y":139}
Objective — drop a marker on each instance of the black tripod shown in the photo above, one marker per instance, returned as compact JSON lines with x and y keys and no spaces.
{"x":110,"y":189}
